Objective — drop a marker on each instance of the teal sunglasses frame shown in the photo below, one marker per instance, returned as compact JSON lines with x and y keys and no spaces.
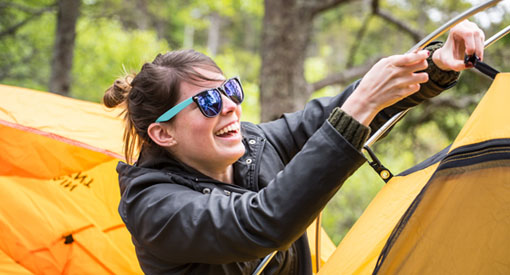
{"x":221,"y":90}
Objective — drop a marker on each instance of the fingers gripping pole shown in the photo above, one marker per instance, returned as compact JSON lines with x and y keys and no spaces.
{"x":483,"y":67}
{"x":420,"y":45}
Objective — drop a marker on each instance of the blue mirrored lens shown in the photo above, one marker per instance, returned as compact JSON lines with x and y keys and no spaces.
{"x":234,"y":90}
{"x":209,"y":102}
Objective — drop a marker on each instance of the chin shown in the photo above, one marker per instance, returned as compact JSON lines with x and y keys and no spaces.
{"x":235,"y":153}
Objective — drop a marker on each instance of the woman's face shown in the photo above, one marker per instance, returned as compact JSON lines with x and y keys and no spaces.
{"x":202,"y":142}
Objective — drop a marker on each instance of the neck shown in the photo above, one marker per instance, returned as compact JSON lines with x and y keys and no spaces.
{"x":222,"y":172}
{"x":225,"y":175}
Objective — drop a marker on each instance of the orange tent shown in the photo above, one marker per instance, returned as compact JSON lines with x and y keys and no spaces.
{"x":58,"y":187}
{"x":60,"y":190}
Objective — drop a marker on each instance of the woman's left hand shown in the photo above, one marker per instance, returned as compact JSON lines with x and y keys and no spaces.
{"x":464,"y":39}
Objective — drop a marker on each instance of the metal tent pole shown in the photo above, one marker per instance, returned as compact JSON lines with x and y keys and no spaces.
{"x":420,"y":45}
{"x":318,"y":241}
{"x":264,"y":263}
{"x":497,"y":36}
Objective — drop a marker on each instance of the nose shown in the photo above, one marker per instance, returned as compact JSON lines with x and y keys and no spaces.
{"x":228,"y":105}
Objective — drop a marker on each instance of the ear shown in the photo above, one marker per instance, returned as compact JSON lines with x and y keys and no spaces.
{"x":161,"y":134}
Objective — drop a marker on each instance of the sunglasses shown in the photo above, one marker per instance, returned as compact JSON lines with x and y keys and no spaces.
{"x":209,"y":101}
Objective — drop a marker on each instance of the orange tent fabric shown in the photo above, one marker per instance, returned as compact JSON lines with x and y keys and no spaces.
{"x":59,"y":188}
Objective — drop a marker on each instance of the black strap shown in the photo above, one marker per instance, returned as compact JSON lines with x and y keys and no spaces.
{"x":480,"y":66}
{"x":376,"y":164}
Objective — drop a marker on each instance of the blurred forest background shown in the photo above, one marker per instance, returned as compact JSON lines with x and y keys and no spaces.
{"x":286,"y":52}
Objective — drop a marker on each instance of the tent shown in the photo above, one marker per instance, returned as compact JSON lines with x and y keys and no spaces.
{"x":59,"y":188}
{"x":449,"y":214}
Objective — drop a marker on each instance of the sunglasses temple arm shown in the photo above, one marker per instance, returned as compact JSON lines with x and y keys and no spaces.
{"x":176,"y":109}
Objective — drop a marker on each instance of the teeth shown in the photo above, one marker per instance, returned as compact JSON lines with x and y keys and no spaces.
{"x":230,"y":128}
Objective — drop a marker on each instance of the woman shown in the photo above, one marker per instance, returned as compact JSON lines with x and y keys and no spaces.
{"x":211,"y":195}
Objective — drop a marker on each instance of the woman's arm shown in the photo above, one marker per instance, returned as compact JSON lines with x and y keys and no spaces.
{"x":388,"y":88}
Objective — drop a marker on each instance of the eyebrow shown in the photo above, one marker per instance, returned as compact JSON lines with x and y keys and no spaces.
{"x":210,"y":88}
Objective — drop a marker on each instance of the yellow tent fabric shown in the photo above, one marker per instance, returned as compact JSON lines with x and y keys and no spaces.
{"x":357,"y":253}
{"x":327,"y":247}
{"x":452,"y":217}
{"x":59,"y":189}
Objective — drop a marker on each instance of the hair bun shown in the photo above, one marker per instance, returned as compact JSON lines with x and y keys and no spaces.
{"x":118,"y":92}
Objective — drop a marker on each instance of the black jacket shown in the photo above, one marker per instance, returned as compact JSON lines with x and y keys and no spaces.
{"x":183,"y":222}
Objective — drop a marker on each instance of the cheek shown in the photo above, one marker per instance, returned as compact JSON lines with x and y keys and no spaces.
{"x":199,"y":128}
{"x":239,"y":111}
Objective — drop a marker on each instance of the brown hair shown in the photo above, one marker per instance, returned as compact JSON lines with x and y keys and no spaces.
{"x":155,"y":89}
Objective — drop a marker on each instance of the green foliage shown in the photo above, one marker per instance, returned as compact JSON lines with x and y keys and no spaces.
{"x":350,"y":202}
{"x":104,"y":50}
{"x":246,"y":65}
{"x":25,"y":55}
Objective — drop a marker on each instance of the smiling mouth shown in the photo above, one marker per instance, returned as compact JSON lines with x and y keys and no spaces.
{"x":230,"y":130}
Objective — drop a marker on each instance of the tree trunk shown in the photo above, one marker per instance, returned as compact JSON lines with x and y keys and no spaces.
{"x":63,"y":49}
{"x":287,"y":28}
{"x":143,"y":17}
{"x":189,"y":33}
{"x":213,"y":35}
{"x":285,"y":36}
{"x":250,"y":40}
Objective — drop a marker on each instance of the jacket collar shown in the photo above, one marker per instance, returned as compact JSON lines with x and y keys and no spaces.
{"x":155,"y":157}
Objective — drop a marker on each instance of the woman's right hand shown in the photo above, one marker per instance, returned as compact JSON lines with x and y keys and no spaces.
{"x":388,"y":81}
